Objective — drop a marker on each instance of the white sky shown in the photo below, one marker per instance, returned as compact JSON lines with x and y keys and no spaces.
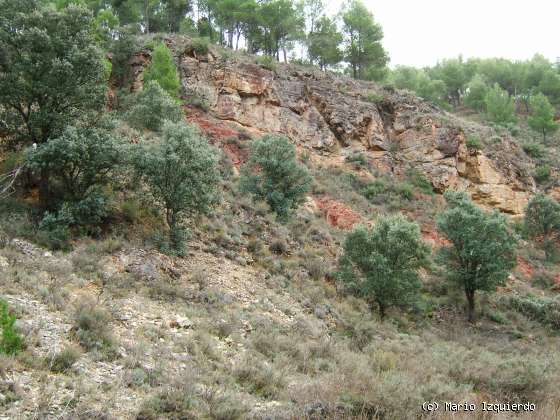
{"x":421,"y":32}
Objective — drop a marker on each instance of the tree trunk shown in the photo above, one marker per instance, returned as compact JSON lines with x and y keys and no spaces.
{"x":284,"y":52}
{"x":470,"y":304}
{"x":147,"y":12}
{"x":230,"y":38}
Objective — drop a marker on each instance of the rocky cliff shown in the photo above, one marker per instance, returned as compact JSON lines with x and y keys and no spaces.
{"x":335,"y":116}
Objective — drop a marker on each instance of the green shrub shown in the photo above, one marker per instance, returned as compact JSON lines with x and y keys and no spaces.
{"x":375,"y":188}
{"x":374,"y":98}
{"x":543,"y":279}
{"x":182,"y":175}
{"x":278,"y":247}
{"x":198,"y":101}
{"x":514,"y":130}
{"x":535,"y":150}
{"x":405,"y":190}
{"x":497,"y":317}
{"x":474,"y":143}
{"x":92,"y":329}
{"x":82,"y":218}
{"x":172,"y":404}
{"x":542,"y":219}
{"x":76,"y":164}
{"x":259,"y":378}
{"x":200,"y":45}
{"x":358,"y":159}
{"x":500,"y":108}
{"x":267,"y":62}
{"x":542,"y":174}
{"x":163,"y":71}
{"x":274,"y":175}
{"x":123,"y":48}
{"x":152,"y":106}
{"x":132,"y":210}
{"x":11,"y":341}
{"x":419,"y":180}
{"x":64,"y":360}
{"x":543,"y":310}
{"x":54,"y":230}
{"x":368,"y":269}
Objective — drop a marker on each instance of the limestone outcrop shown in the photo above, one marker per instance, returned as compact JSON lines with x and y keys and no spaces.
{"x":335,"y":116}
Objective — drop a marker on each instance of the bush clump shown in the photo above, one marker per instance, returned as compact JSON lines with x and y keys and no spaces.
{"x":542,"y":219}
{"x":542,"y":174}
{"x":152,"y":106}
{"x":358,"y":159}
{"x":182,"y":174}
{"x":11,"y":341}
{"x":163,"y":71}
{"x":367,"y":267}
{"x":91,"y":327}
{"x":273,"y":174}
{"x":474,"y":143}
{"x":64,"y":360}
{"x":543,"y":310}
{"x":267,"y":62}
{"x":200,"y":45}
{"x":534,"y":150}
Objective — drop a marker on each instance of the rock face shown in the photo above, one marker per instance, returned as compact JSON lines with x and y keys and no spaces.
{"x":335,"y":115}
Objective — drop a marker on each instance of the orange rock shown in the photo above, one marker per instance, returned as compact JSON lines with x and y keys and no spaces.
{"x":524,"y":268}
{"x":338,"y":214}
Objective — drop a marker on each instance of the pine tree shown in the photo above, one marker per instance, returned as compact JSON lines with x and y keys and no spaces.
{"x":324,"y":43}
{"x":499,"y":106}
{"x":476,"y":93}
{"x":364,"y":51}
{"x":542,"y":115}
{"x":162,"y":70}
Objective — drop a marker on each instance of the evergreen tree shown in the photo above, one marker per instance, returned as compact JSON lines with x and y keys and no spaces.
{"x":152,"y":106}
{"x":542,"y":115}
{"x":51,"y":72}
{"x":381,"y":265}
{"x":452,"y":73}
{"x":482,"y":250}
{"x":500,"y":108}
{"x":273,"y":174}
{"x":106,"y":24}
{"x":542,"y":219}
{"x":182,"y":174}
{"x":163,"y":71}
{"x":476,"y":93}
{"x":364,"y":51}
{"x":324,"y":43}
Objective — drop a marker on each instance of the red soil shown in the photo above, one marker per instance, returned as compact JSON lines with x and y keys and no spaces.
{"x":524,"y":268}
{"x":338,"y":214}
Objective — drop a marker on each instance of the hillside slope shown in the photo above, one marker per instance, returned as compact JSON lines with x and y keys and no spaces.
{"x":337,"y":116}
{"x":251,"y":323}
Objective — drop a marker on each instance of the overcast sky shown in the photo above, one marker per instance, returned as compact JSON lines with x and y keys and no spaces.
{"x":421,"y":32}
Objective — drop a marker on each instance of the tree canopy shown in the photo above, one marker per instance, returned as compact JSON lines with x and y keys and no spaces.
{"x":482,"y":249}
{"x":381,"y":264}
{"x":364,"y":51}
{"x":51,"y":71}
{"x":274,"y":175}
